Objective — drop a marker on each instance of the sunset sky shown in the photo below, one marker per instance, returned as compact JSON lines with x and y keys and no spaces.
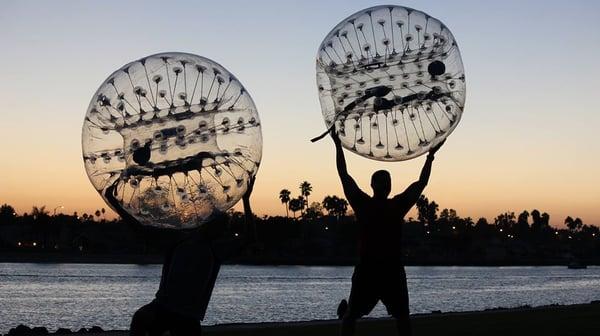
{"x":529,"y":137}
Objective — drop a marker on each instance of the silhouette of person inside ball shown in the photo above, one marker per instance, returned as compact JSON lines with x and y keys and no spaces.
{"x":142,"y":155}
{"x":379,"y":273}
{"x":188,"y":277}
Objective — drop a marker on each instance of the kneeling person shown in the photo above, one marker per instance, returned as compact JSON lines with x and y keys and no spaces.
{"x":379,"y":274}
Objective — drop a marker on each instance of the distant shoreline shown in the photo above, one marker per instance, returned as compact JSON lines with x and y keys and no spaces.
{"x":68,"y":258}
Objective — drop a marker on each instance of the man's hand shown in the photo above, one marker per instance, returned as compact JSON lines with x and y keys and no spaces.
{"x":248,"y":192}
{"x":335,"y":137}
{"x":434,"y":150}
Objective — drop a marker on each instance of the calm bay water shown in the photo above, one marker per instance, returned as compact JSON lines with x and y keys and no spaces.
{"x":83,"y":295}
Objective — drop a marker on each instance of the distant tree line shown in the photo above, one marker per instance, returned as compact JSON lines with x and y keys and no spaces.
{"x":316,"y":233}
{"x":334,"y":205}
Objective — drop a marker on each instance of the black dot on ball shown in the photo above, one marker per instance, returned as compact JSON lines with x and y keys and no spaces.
{"x":436,"y":68}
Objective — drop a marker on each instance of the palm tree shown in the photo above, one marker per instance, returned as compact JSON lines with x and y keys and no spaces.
{"x":296,"y":204}
{"x":342,"y":207}
{"x":330,"y":203}
{"x":573,"y":224}
{"x":335,"y":206}
{"x":39,"y":211}
{"x":305,"y":190}
{"x":284,"y":196}
{"x":302,"y":204}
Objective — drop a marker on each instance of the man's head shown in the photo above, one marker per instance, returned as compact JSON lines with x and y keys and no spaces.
{"x":381,"y":182}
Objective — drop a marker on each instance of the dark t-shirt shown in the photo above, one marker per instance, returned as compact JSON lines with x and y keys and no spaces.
{"x":190,"y":272}
{"x":380,"y":222}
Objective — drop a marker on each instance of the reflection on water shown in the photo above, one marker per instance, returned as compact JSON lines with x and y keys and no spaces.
{"x":82,"y":295}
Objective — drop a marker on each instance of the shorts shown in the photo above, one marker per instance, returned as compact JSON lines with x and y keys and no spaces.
{"x":371,"y":283}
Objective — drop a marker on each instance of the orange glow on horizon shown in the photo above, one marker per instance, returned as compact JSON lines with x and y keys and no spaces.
{"x":480,"y":197}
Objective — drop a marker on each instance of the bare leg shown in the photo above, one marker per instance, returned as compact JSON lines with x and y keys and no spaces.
{"x":363,"y":298}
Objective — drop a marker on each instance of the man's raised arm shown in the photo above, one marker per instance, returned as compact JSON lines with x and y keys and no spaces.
{"x":351,"y":189}
{"x":414,"y":191}
{"x":249,"y":224}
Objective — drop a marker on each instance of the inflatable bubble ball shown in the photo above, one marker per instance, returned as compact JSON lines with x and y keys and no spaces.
{"x":171,"y":139}
{"x":391,"y":82}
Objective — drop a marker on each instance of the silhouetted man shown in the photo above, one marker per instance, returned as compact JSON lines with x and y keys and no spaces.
{"x":188,"y":278}
{"x":379,"y":274}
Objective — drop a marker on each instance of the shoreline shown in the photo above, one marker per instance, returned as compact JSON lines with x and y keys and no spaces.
{"x":142,"y":259}
{"x":578,"y":319}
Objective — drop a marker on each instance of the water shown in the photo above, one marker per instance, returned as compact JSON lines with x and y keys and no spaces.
{"x":83,"y":295}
